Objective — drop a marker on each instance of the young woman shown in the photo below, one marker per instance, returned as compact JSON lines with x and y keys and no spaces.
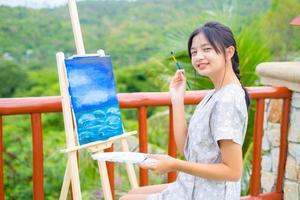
{"x":212,"y":144}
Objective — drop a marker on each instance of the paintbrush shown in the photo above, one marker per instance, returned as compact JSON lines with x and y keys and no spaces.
{"x":179,"y":67}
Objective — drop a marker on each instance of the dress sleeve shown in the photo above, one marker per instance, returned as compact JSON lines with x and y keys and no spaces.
{"x":228,"y":119}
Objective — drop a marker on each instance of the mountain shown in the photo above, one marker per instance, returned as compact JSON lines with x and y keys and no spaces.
{"x":130,"y":31}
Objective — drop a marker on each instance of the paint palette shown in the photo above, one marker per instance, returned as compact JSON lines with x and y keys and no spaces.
{"x":124,"y":157}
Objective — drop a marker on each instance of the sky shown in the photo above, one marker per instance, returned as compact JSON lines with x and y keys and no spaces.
{"x":34,"y":3}
{"x":38,"y":3}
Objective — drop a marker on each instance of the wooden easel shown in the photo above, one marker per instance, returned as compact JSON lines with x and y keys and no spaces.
{"x":72,"y":171}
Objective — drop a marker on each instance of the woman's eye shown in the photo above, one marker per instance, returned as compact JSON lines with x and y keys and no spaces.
{"x":193,"y":53}
{"x":206,"y":49}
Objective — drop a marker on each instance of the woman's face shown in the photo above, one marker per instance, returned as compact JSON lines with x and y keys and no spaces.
{"x":205,"y":59}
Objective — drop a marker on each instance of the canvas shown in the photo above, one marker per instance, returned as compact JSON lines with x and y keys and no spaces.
{"x":93,"y":98}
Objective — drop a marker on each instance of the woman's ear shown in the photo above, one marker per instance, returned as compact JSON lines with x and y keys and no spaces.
{"x":229,"y":52}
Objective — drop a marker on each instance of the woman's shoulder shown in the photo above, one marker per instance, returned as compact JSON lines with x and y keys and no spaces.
{"x":231,"y":93}
{"x":231,"y":97}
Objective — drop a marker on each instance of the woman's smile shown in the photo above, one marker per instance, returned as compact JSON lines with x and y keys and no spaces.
{"x":202,"y":66}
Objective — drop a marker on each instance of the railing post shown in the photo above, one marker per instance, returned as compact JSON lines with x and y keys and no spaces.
{"x":257,"y":145}
{"x":283,"y":143}
{"x":37,"y":151}
{"x":171,"y":145}
{"x":1,"y":161}
{"x":111,"y":173}
{"x":143,"y":141}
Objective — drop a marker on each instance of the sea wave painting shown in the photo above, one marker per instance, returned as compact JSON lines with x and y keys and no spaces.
{"x":93,"y":98}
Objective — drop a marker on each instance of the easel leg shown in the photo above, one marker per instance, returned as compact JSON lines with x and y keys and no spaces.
{"x":74,"y":173}
{"x":71,"y":176}
{"x":66,"y":183}
{"x":104,"y":180}
{"x":129,"y":167}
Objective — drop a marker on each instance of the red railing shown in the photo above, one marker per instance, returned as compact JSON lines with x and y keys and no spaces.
{"x":37,"y":105}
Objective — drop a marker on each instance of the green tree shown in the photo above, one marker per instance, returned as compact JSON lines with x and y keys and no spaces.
{"x":279,"y":36}
{"x":12,"y":77}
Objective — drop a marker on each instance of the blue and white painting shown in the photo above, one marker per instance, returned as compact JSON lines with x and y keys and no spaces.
{"x":93,"y":98}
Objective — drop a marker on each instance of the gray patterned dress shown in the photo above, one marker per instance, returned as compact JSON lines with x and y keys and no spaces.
{"x":220,"y":115}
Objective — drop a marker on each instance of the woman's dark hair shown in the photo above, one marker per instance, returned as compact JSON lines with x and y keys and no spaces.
{"x":220,"y":37}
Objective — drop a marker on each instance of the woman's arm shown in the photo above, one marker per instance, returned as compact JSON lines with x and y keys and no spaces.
{"x":180,"y":125}
{"x":230,"y":169}
{"x":177,"y":91}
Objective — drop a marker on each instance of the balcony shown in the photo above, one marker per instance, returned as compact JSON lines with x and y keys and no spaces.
{"x":35,"y":106}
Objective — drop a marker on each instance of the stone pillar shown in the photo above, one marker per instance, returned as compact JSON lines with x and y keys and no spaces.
{"x":281,"y":74}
